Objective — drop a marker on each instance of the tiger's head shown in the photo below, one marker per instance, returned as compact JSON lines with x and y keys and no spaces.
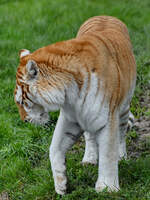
{"x":25,"y":94}
{"x":45,"y":81}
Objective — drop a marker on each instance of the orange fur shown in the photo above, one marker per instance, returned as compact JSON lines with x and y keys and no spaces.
{"x":102,"y":46}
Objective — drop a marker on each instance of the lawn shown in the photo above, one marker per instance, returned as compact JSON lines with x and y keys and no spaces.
{"x":25,"y":171}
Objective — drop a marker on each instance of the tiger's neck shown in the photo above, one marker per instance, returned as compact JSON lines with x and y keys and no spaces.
{"x":61,"y":60}
{"x":63,"y":71}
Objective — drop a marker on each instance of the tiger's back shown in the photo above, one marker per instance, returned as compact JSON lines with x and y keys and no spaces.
{"x":113,"y":62}
{"x":102,"y":23}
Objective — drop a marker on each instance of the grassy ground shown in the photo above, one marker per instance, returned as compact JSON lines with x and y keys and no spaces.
{"x":25,"y":171}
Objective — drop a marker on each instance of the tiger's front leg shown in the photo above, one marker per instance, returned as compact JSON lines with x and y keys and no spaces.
{"x":65,"y":135}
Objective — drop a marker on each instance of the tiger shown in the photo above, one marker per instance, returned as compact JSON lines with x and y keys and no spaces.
{"x":91,"y":80}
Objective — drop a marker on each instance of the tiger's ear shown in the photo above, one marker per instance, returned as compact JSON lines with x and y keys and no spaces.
{"x":23,"y":52}
{"x":32,"y":69}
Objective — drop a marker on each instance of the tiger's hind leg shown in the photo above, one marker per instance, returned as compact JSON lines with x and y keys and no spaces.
{"x":126,"y":123}
{"x":91,"y":149}
{"x":108,"y":142}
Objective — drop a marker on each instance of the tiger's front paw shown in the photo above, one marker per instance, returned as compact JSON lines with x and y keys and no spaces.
{"x":89,"y":160}
{"x":60,"y":184}
{"x":90,"y":155}
{"x":109,"y":187}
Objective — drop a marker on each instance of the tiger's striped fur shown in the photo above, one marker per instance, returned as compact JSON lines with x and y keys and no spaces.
{"x":91,"y":79}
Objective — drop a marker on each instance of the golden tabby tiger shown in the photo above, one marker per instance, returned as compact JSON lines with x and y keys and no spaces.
{"x":91,"y":79}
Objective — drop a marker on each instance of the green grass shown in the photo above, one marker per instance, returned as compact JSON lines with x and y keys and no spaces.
{"x":25,"y":171}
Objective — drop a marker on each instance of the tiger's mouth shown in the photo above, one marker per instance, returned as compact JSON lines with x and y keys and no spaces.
{"x":38,"y":119}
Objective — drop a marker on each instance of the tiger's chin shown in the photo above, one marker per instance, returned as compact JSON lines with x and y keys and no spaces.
{"x":41,"y":119}
{"x":36,"y":115}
